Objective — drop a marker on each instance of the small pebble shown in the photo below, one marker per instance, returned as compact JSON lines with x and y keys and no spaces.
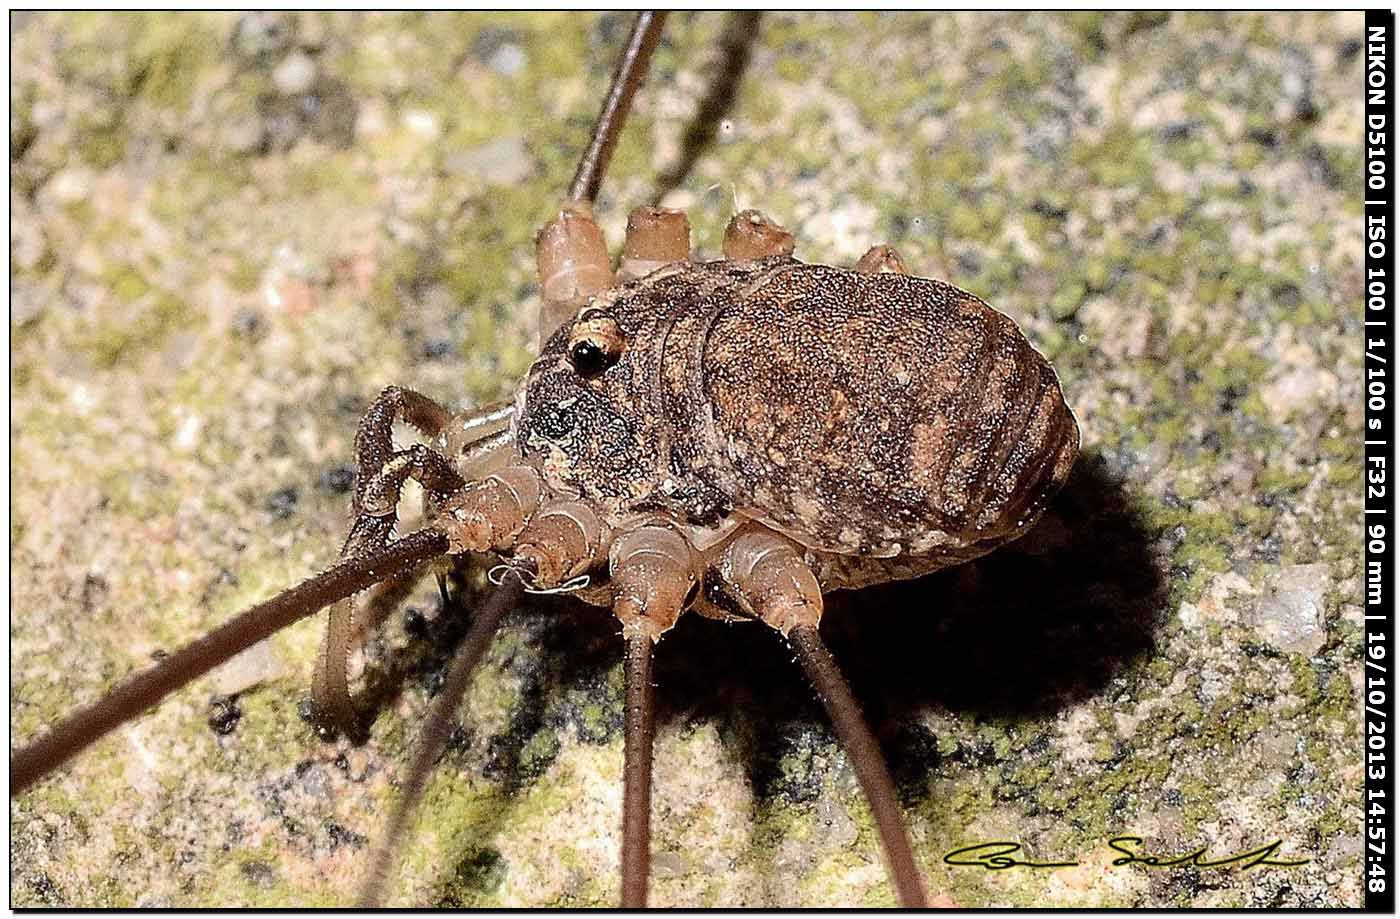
{"x":258,"y":664}
{"x":339,"y":479}
{"x":295,"y":75}
{"x":244,"y":135}
{"x":357,"y":765}
{"x":504,"y":161}
{"x":315,"y":781}
{"x":1290,"y":613}
{"x":1298,"y":390}
{"x":667,"y":864}
{"x":508,"y":60}
{"x":226,"y":715}
{"x":423,"y":123}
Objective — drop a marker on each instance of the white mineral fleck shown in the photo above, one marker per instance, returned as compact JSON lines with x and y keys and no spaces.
{"x":71,"y":185}
{"x":258,"y":664}
{"x":295,"y":75}
{"x":423,"y":123}
{"x":187,"y":434}
{"x":504,"y":161}
{"x":508,"y":60}
{"x":1299,"y":389}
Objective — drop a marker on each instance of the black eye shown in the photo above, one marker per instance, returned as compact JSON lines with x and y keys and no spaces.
{"x":589,"y":359}
{"x":595,"y":343}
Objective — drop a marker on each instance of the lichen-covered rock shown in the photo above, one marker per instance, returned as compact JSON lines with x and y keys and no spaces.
{"x":231,"y":230}
{"x":1291,"y":614}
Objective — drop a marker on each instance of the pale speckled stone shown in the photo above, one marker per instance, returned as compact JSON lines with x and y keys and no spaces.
{"x":296,"y":74}
{"x":258,"y":664}
{"x":1289,"y":614}
{"x":1306,"y":387}
{"x":509,"y":59}
{"x":503,"y":161}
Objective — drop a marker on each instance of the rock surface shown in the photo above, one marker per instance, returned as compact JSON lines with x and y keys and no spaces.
{"x":1291,"y":615}
{"x":219,"y":258}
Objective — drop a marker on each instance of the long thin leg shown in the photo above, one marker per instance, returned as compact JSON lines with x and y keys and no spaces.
{"x":766,"y":574}
{"x":571,"y":255}
{"x":145,"y":689}
{"x":631,"y":70}
{"x":433,"y":738}
{"x":652,"y":572}
{"x":866,"y":758}
{"x":638,"y":739}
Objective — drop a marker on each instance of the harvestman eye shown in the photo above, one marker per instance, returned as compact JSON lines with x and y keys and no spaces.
{"x":595,"y":344}
{"x":589,"y":358}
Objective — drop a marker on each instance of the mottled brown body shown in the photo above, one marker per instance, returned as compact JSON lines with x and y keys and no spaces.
{"x":892,"y":425}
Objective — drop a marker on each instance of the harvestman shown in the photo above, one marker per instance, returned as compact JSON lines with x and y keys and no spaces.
{"x":731,"y":437}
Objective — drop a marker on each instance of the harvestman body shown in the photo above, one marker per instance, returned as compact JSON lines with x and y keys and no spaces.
{"x":732,"y":437}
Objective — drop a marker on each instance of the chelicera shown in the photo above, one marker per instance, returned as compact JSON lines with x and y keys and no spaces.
{"x":731,"y":438}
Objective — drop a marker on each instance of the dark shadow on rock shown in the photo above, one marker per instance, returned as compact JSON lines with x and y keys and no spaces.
{"x":735,"y":48}
{"x":1019,"y":634}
